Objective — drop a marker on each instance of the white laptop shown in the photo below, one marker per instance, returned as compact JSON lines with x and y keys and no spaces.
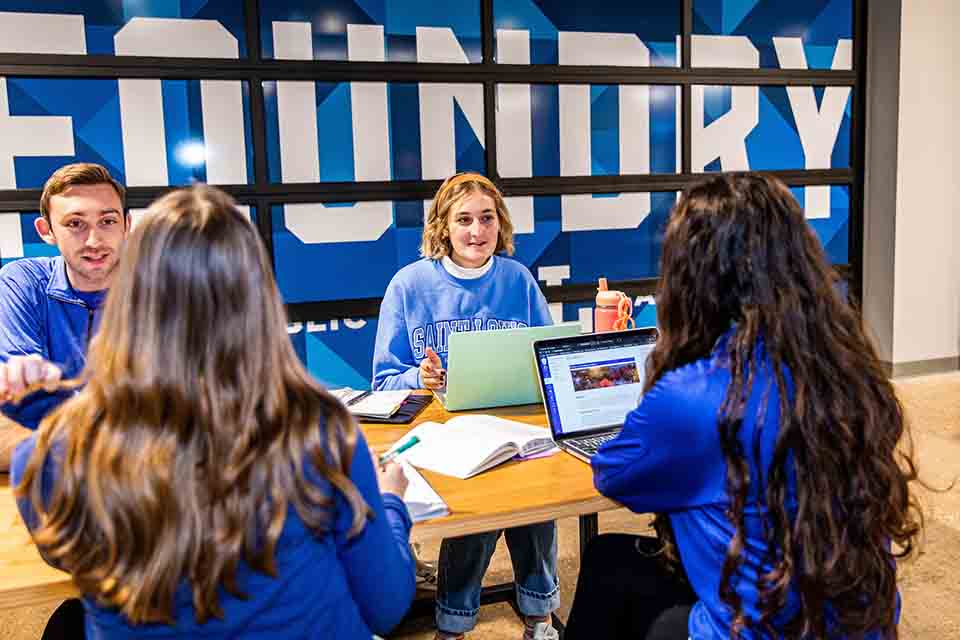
{"x":589,"y":384}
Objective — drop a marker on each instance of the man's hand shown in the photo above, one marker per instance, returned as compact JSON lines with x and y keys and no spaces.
{"x":21,"y":375}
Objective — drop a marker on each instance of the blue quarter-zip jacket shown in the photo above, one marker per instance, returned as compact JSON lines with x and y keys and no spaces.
{"x":328,"y":585}
{"x":40,"y":313}
{"x":668,"y":459}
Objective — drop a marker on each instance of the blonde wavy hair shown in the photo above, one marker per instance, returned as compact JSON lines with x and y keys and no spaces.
{"x":436,"y":230}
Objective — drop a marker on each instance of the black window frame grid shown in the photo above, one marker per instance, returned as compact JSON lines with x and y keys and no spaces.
{"x":262,"y":193}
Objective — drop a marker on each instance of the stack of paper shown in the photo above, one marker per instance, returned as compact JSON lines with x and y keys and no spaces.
{"x":422,"y":501}
{"x":371,"y":404}
{"x":346,"y":395}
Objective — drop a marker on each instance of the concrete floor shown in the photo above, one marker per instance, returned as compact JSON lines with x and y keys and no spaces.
{"x":928,"y":582}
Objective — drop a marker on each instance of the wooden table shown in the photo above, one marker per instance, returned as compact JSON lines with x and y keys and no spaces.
{"x":25,"y":579}
{"x":510,"y":495}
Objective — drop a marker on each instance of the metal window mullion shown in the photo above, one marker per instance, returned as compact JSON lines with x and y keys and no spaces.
{"x":858,"y":132}
{"x":686,"y":109}
{"x":77,"y":66}
{"x":569,"y":293}
{"x":285,"y":193}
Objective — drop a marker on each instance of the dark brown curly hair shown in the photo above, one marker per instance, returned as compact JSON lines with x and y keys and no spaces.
{"x":739,"y":253}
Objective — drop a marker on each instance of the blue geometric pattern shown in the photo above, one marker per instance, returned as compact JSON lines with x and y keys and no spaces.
{"x":604,"y":129}
{"x":400,"y":18}
{"x":33,"y":245}
{"x":774,"y":143}
{"x":102,"y":19}
{"x":834,"y":232}
{"x":363,"y":269}
{"x":656,"y":24}
{"x":617,"y":254}
{"x":335,"y":125}
{"x":94,"y":107}
{"x":348,"y":269}
{"x":644,"y":311}
{"x":338,"y":352}
{"x":820,"y":24}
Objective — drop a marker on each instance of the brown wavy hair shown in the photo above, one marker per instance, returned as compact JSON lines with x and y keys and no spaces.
{"x":189,"y":443}
{"x":739,"y":253}
{"x":436,"y":231}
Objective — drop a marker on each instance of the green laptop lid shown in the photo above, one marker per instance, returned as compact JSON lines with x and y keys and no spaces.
{"x":496,"y":368}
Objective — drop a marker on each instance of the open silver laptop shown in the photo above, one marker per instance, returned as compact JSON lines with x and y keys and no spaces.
{"x":589,"y":384}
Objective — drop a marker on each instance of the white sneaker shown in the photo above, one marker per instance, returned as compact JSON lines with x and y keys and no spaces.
{"x":426,"y":572}
{"x":426,"y":576}
{"x":541,"y":631}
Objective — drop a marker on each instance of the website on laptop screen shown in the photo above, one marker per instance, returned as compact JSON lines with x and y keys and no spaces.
{"x":594,"y":383}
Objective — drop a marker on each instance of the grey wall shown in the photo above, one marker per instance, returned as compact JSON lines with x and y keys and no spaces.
{"x":911,"y":259}
{"x":880,"y":182}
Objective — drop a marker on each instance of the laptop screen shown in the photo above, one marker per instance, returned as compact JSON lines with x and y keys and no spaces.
{"x":591,"y":382}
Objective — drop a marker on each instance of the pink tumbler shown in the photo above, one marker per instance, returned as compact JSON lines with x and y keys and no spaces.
{"x":613,"y":310}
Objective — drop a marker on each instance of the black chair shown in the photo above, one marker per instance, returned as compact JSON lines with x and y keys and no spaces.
{"x":66,"y":622}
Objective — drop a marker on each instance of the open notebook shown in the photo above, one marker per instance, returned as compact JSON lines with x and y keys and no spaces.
{"x":466,"y":445}
{"x":422,"y":501}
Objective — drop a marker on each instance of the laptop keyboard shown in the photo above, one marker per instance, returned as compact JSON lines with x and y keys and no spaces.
{"x":588,"y":445}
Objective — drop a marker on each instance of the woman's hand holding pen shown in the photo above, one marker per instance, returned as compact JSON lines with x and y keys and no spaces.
{"x":390,"y":477}
{"x":432,"y":373}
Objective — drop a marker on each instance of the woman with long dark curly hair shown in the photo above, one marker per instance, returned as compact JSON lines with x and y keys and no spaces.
{"x":202,"y":484}
{"x":768,"y":439}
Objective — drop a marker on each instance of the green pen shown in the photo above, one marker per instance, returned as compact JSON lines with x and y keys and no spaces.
{"x":387,"y":457}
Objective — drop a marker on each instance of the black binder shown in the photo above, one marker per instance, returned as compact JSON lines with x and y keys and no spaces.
{"x":409,"y":410}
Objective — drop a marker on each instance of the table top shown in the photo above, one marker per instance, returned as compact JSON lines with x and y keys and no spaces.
{"x":512,"y":494}
{"x":25,"y":579}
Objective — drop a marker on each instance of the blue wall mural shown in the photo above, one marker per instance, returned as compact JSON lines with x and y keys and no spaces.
{"x":328,"y":25}
{"x":819,"y":24}
{"x":654,"y":24}
{"x":155,"y":132}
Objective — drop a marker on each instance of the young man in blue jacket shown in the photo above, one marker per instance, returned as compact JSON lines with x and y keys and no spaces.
{"x":50,"y":306}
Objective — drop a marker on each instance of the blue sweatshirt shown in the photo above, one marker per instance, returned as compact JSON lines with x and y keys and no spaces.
{"x":668,"y":459}
{"x":327,"y":586}
{"x":424,"y":304}
{"x":40,"y":313}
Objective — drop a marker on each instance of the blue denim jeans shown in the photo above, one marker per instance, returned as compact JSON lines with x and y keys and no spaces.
{"x":464,"y":560}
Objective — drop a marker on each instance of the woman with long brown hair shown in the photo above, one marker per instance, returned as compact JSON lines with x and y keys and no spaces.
{"x":202,"y":483}
{"x":767,"y":440}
